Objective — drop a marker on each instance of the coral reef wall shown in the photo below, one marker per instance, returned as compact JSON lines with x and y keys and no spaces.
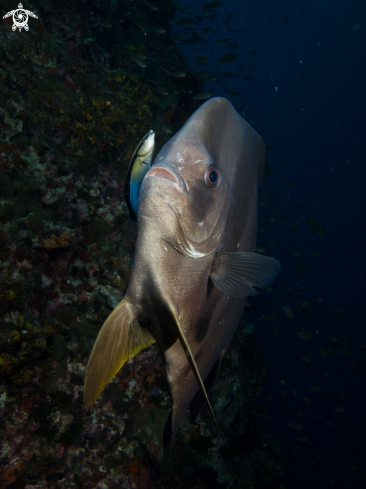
{"x":78,"y":90}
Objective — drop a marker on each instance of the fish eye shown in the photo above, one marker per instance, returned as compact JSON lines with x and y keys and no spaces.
{"x":212,"y":177}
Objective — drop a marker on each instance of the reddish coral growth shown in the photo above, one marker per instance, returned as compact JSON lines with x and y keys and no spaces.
{"x":133,"y":469}
{"x":144,"y":479}
{"x":10,"y":474}
{"x":54,"y":242}
{"x":150,"y":379}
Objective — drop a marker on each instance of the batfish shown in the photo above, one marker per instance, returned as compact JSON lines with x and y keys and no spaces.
{"x":195,"y":262}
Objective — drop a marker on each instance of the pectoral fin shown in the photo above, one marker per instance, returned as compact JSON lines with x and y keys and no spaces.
{"x":234,"y":273}
{"x":120,"y":339}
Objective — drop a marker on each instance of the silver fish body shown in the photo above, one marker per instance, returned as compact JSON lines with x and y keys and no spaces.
{"x":194,"y":263}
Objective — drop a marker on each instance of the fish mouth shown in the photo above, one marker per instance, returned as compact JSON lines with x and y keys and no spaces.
{"x":161,"y":172}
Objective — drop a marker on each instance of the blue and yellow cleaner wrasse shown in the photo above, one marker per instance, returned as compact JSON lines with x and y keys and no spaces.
{"x":195,"y":263}
{"x":139,"y":165}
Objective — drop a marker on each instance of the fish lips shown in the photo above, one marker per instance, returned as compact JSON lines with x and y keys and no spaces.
{"x":159,"y":175}
{"x":161,"y":172}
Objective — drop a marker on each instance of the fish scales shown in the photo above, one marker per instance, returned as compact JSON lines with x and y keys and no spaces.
{"x":195,"y":261}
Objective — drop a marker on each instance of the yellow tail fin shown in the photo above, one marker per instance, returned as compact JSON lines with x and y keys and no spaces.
{"x":120,"y":339}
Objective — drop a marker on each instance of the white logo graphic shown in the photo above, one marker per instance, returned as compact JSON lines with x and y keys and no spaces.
{"x":20,"y":18}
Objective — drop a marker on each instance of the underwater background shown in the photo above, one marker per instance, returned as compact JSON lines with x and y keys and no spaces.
{"x":78,"y":90}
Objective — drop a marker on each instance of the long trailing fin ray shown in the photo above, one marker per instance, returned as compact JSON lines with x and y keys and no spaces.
{"x":197,"y":402}
{"x":235,"y":273}
{"x":191,"y":360}
{"x":120,"y":339}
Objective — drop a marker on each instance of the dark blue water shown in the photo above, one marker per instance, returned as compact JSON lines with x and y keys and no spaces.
{"x":309,"y":80}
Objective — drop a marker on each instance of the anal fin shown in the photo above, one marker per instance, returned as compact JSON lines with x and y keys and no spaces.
{"x":120,"y":339}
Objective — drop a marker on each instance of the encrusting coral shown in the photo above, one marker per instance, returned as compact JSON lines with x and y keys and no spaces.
{"x":53,"y":242}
